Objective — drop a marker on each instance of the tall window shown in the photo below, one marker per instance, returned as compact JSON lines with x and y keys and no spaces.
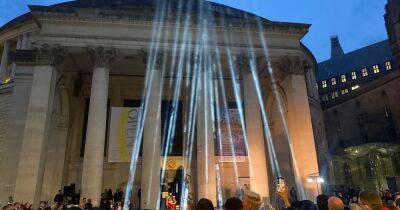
{"x":324,"y":84}
{"x":364,"y":72}
{"x":376,"y":69}
{"x":343,"y":78}
{"x":388,"y":65}
{"x":335,"y":95}
{"x":353,"y":75}
{"x":355,"y":87}
{"x":172,"y":131}
{"x":333,"y":80}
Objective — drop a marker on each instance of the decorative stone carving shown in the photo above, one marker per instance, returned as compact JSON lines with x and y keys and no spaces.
{"x":158,"y":62}
{"x":46,"y":54}
{"x":102,"y":56}
{"x":243,"y":63}
{"x":291,"y":65}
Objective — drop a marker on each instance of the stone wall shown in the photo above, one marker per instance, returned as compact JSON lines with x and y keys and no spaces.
{"x":361,"y":119}
{"x":5,"y":100}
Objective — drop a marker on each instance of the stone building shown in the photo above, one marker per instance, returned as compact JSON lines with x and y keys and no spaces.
{"x":392,"y":20}
{"x":66,"y":67}
{"x":359,"y":93}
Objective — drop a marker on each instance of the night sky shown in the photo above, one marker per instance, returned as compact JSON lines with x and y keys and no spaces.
{"x":357,"y":22}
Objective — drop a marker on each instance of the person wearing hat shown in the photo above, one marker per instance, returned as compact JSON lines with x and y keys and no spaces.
{"x":370,"y":200}
{"x":251,"y":200}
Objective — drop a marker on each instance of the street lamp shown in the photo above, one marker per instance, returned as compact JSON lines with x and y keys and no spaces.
{"x":315,"y":178}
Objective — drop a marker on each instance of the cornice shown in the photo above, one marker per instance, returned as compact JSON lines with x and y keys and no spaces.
{"x":143,"y":18}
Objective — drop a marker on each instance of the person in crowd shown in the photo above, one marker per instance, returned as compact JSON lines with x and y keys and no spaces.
{"x":204,"y":204}
{"x":82,"y":203}
{"x":307,"y":205}
{"x":396,"y":204}
{"x":343,"y":197}
{"x":251,"y":200}
{"x":293,"y":195}
{"x":77,"y":197}
{"x":56,"y":206}
{"x":88,"y":205}
{"x":233,"y":203}
{"x":74,"y":208}
{"x":322,"y":202}
{"x":335,"y":203}
{"x":118,"y":196}
{"x":117,"y":205}
{"x":42,"y":205}
{"x":353,"y":205}
{"x":59,"y":198}
{"x":109,"y":194}
{"x":28,"y":206}
{"x":370,"y":200}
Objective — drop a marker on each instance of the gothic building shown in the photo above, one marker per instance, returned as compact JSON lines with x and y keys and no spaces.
{"x":359,"y":93}
{"x":392,"y":20}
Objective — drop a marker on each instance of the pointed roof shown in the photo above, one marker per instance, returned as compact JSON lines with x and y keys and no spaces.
{"x":365,"y":57}
{"x":336,"y":48}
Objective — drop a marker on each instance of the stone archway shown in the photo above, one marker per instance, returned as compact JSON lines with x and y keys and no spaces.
{"x":57,"y":142}
{"x":276,"y":111}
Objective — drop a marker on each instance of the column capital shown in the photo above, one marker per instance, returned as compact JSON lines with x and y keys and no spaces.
{"x":158,"y":62}
{"x":46,"y":54}
{"x":102,"y":56}
{"x":290,"y":65}
{"x":243,"y":62}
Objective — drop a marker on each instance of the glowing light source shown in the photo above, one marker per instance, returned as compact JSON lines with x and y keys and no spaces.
{"x":7,"y":80}
{"x":355,"y":87}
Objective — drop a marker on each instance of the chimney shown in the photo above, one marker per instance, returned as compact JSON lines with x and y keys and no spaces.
{"x":336,"y":48}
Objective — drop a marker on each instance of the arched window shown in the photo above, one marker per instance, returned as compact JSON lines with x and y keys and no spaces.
{"x":370,"y":169}
{"x":396,"y":165}
{"x":347,"y":174}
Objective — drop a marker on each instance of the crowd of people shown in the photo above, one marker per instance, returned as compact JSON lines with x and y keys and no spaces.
{"x":340,"y":200}
{"x":73,"y":201}
{"x":349,"y":199}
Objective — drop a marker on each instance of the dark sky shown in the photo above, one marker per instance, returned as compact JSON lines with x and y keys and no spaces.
{"x":357,"y":22}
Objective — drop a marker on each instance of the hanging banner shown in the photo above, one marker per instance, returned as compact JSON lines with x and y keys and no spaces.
{"x":230,"y":145}
{"x":122,"y":133}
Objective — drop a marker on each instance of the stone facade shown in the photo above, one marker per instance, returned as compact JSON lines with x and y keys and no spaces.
{"x":356,"y":129}
{"x":5,"y":101}
{"x":61,"y":105}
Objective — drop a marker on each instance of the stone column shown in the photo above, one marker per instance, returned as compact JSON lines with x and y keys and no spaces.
{"x":299,"y":122}
{"x":4,"y":61}
{"x":22,"y":44}
{"x":16,"y":123}
{"x":92,"y":171}
{"x":259,"y":181}
{"x":150,"y":180}
{"x":206,"y":177}
{"x":32,"y":157}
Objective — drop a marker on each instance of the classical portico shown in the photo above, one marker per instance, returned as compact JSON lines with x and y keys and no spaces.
{"x":72,"y":67}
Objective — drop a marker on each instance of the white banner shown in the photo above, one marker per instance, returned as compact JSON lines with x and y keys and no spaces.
{"x":122,"y":133}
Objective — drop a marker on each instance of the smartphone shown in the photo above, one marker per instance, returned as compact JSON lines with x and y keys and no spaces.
{"x":281,"y":184}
